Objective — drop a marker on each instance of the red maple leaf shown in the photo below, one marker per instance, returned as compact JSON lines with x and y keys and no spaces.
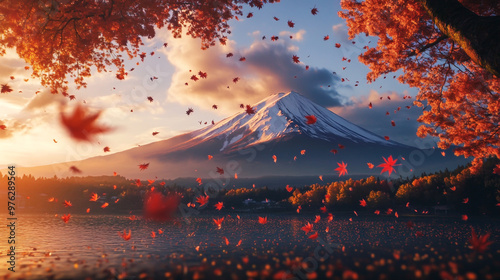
{"x":291,"y":24}
{"x":75,"y":169}
{"x":155,"y":133}
{"x":314,"y":236}
{"x":219,"y":205}
{"x":67,"y":203}
{"x":388,"y":165}
{"x":249,"y":110}
{"x":229,"y":55}
{"x":202,"y":200}
{"x":82,"y":125}
{"x":370,"y":165}
{"x":160,"y":207}
{"x":318,"y":218}
{"x":218,"y":222}
{"x":479,"y":243}
{"x":106,"y":149}
{"x":125,"y":236}
{"x":66,"y":217}
{"x":295,"y":59}
{"x":94,"y":197}
{"x":235,"y":80}
{"x":220,"y":170}
{"x":342,"y":169}
{"x":362,"y":202}
{"x":311,"y":119}
{"x":263,"y":220}
{"x":274,"y":38}
{"x":288,"y":188}
{"x":143,"y":166}
{"x":307,"y":228}
{"x":337,"y":45}
{"x":314,"y":11}
{"x":5,"y":88}
{"x":150,"y":99}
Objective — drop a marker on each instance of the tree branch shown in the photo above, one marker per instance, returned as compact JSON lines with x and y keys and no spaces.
{"x":478,"y":36}
{"x":430,"y":45}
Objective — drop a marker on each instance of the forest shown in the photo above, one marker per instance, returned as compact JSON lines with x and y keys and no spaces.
{"x":459,"y":191}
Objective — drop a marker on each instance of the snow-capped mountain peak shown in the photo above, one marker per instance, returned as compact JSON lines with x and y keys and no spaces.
{"x":283,"y":114}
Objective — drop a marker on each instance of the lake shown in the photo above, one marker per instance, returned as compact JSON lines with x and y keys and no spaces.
{"x":368,"y":247}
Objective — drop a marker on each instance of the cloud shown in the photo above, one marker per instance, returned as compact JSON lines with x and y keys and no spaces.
{"x":376,"y":120}
{"x":268,"y":69}
{"x":43,"y":100}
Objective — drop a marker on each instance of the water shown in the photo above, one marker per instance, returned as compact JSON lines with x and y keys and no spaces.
{"x":371,"y":246}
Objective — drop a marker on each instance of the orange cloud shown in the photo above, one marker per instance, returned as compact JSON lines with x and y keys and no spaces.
{"x":268,"y":68}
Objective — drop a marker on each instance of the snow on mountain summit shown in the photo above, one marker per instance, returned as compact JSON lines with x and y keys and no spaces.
{"x":283,"y":114}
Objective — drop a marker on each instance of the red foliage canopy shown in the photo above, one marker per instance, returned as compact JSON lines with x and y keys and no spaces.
{"x":60,"y":38}
{"x":435,"y":48}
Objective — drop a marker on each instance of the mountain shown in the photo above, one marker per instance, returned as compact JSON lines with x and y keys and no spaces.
{"x":246,"y":144}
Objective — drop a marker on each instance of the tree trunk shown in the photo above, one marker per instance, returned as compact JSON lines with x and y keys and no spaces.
{"x":478,"y":36}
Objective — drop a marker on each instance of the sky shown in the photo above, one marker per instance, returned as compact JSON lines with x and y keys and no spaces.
{"x":34,"y":135}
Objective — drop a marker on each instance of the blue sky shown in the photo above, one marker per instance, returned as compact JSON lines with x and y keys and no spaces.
{"x":33,"y":119}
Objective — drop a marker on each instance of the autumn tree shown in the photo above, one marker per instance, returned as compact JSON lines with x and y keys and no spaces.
{"x":449,"y":50}
{"x":67,"y":39}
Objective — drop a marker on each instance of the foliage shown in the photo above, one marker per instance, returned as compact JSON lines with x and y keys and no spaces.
{"x":60,"y":38}
{"x":460,"y":99}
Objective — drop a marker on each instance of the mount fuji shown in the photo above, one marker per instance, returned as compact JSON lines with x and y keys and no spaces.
{"x":274,"y":141}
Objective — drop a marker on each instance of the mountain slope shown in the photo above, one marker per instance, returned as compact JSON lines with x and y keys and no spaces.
{"x":246,"y":144}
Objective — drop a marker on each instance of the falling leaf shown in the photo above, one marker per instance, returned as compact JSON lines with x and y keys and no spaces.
{"x":210,"y":157}
{"x":106,"y":149}
{"x":337,"y":45}
{"x":289,"y":189}
{"x":143,"y":166}
{"x":94,"y":197}
{"x":159,"y":207}
{"x":218,"y":222}
{"x":198,"y":180}
{"x":311,"y":119}
{"x":249,"y":110}
{"x":466,"y":200}
{"x":219,"y":205}
{"x":5,"y":88}
{"x":314,"y":11}
{"x":67,"y":203}
{"x":386,"y":138}
{"x":155,"y":133}
{"x":81,"y":124}
{"x":326,"y":38}
{"x":104,"y":205}
{"x":291,"y":24}
{"x":75,"y":169}
{"x":202,"y":200}
{"x":370,"y":105}
{"x":388,"y":165}
{"x":263,"y":220}
{"x":220,"y":171}
{"x":307,"y":228}
{"x":66,"y":218}
{"x":479,"y":243}
{"x":125,"y":236}
{"x":189,"y":111}
{"x":342,"y":169}
{"x":295,"y":59}
{"x":275,"y":158}
{"x":362,"y":202}
{"x":314,"y":236}
{"x":370,"y":165}
{"x":318,"y":218}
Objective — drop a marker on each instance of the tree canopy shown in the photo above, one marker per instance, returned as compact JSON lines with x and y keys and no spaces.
{"x":67,"y":38}
{"x":448,"y":49}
